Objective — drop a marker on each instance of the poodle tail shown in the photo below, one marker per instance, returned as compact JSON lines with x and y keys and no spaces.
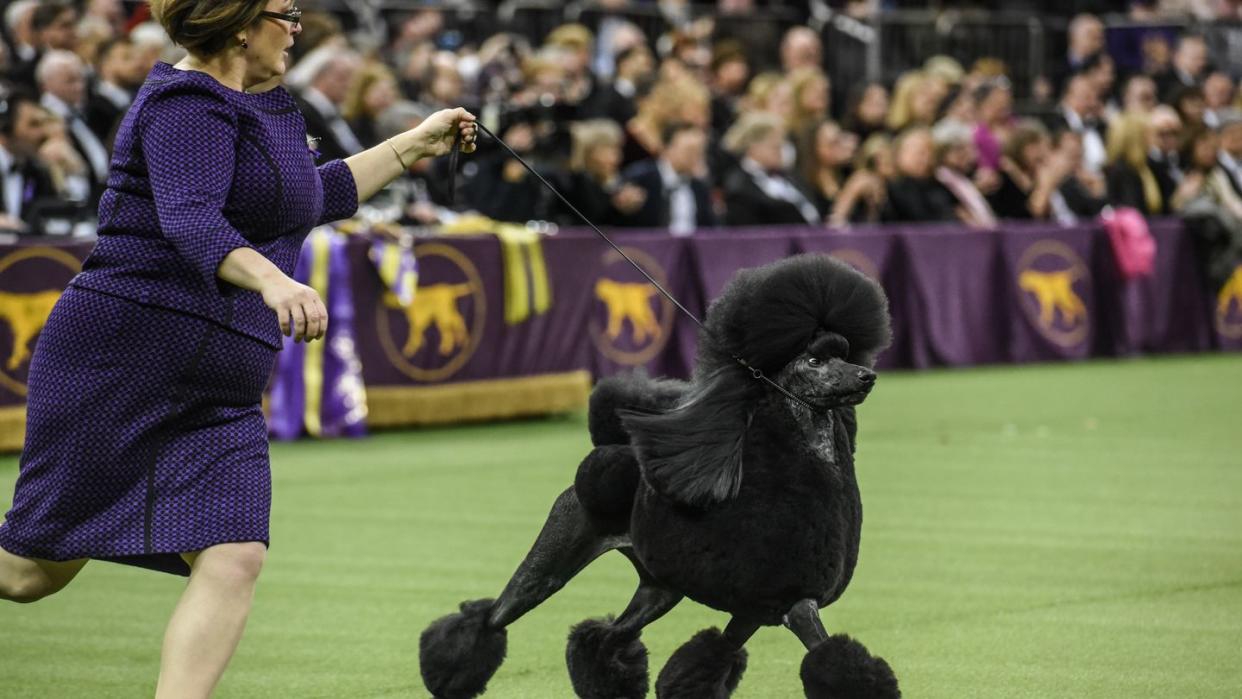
{"x":628,"y":392}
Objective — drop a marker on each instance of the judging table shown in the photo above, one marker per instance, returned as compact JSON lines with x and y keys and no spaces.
{"x":500,"y":329}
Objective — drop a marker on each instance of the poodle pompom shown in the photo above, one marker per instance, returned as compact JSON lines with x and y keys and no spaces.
{"x":768,"y":315}
{"x":841,"y":668}
{"x":605,"y":662}
{"x":627,"y":392}
{"x":459,"y":653}
{"x":706,"y":667}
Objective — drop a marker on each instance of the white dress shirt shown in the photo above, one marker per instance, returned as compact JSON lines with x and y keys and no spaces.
{"x":682,"y":211}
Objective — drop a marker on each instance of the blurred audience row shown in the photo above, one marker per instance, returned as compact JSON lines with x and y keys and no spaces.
{"x":680,"y":133}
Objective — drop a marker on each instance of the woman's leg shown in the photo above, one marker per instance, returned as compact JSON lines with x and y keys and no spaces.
{"x":208,"y":621}
{"x":31,"y":579}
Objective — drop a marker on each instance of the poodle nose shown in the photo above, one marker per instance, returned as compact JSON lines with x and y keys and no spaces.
{"x":866,"y":376}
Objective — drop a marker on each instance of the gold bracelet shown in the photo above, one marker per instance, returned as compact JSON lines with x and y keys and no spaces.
{"x":397,"y":153}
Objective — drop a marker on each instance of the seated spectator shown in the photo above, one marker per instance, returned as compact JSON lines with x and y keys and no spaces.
{"x":675,"y":195}
{"x":1085,"y":38}
{"x":760,"y":191}
{"x":671,"y":101}
{"x":1080,"y":111}
{"x":1218,"y":90}
{"x":1131,"y":181}
{"x":866,"y":111}
{"x":1164,"y":149}
{"x":955,"y":155}
{"x":18,"y":18}
{"x":52,"y":25}
{"x":1139,"y":94}
{"x":26,"y":181}
{"x":1211,"y":207}
{"x":501,"y":187}
{"x":423,"y":194}
{"x":1029,"y":177}
{"x":994,"y":110}
{"x":618,"y":100}
{"x":1081,"y":195}
{"x":373,"y":91}
{"x":593,"y":184}
{"x":824,"y":170}
{"x":62,"y":82}
{"x":916,"y":100}
{"x":1190,"y":60}
{"x":865,"y":193}
{"x":730,"y":71}
{"x":324,"y":77}
{"x":916,"y":195}
{"x":810,"y":106}
{"x":118,"y":74}
{"x":1231,"y":148}
{"x":1191,"y":108}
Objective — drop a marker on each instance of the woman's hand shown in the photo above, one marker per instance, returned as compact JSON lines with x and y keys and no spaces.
{"x":436,"y":133}
{"x":301,"y":312}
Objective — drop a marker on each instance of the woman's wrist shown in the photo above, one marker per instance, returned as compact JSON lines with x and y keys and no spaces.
{"x":408,"y":147}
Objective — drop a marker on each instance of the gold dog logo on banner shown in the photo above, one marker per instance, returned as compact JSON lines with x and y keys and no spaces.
{"x":624,"y":300}
{"x":1229,"y":306}
{"x":23,"y":312}
{"x":442,"y":325}
{"x":1047,"y":273}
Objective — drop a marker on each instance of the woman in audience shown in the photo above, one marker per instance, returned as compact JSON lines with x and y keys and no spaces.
{"x":593,"y":183}
{"x":915,"y":195}
{"x":1029,"y":176}
{"x":994,"y":111}
{"x":373,"y":91}
{"x":823,"y":170}
{"x":865,"y":193}
{"x":1131,"y":181}
{"x":867,"y":110}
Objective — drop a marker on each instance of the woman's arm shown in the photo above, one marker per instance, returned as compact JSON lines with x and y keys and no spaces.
{"x":298,"y":307}
{"x":373,"y":169}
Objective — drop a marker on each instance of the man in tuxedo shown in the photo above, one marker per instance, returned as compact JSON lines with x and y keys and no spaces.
{"x":759,"y":190}
{"x":330,"y":72}
{"x":677,"y":197}
{"x":1079,"y":112}
{"x":62,"y":82}
{"x":117,"y":76}
{"x":1086,"y":39}
{"x":23,"y":182}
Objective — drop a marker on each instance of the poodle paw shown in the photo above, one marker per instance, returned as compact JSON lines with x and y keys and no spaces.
{"x":841,"y":668}
{"x":705,"y":667}
{"x":459,"y":653}
{"x":606,"y":663}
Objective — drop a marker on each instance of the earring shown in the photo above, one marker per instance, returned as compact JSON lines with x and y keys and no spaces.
{"x":245,"y":44}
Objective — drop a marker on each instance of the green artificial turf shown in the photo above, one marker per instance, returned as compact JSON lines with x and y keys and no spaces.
{"x":1051,"y":531}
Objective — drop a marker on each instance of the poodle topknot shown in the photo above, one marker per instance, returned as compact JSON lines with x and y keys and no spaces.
{"x":769,"y":315}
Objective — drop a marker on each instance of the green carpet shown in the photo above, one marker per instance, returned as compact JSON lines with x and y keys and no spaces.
{"x":1053,"y":531}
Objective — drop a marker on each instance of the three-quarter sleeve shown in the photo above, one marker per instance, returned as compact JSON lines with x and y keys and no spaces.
{"x":189,"y":141}
{"x":340,"y":192}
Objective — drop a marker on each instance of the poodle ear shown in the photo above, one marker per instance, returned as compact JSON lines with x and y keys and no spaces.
{"x":692,"y":454}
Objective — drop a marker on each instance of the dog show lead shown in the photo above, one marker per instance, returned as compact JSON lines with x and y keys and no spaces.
{"x":145,"y":440}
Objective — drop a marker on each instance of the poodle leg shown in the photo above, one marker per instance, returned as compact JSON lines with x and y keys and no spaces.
{"x":709,"y":665}
{"x":459,"y":653}
{"x":837,"y":667}
{"x":606,"y":658}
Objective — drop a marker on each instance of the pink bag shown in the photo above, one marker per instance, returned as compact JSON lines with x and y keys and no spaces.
{"x":1133,"y":247}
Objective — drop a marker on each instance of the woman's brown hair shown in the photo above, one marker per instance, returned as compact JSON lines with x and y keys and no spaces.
{"x":206,"y":27}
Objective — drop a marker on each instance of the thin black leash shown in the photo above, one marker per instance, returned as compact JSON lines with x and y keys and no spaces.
{"x":453,"y":156}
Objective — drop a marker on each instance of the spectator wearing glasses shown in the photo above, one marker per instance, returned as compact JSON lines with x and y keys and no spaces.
{"x":146,"y":443}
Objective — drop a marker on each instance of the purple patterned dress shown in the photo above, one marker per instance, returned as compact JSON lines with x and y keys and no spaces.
{"x":144,"y":435}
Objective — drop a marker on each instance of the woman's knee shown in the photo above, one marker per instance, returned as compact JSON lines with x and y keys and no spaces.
{"x":238,"y":563}
{"x":26,"y":580}
{"x":25,"y":588}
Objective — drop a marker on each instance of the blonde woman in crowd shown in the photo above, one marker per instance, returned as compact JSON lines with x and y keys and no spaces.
{"x":669,"y":102}
{"x":373,"y":91}
{"x":1131,"y":181}
{"x":593,"y":184}
{"x":865,"y":193}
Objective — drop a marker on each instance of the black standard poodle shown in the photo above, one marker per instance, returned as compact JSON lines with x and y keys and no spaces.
{"x":724,"y":489}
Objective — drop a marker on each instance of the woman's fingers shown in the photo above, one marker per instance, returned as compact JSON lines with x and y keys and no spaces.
{"x":299,"y":322}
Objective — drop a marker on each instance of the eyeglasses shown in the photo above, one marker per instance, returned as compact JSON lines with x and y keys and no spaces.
{"x":293,"y":16}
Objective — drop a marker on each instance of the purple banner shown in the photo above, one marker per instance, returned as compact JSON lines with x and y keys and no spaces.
{"x":1051,"y":291}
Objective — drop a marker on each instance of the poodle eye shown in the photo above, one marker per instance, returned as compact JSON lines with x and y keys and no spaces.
{"x":813,"y":361}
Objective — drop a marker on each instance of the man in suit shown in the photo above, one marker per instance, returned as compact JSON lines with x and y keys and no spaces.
{"x":1230,"y":157}
{"x":1079,"y":112}
{"x":62,"y":83}
{"x":117,"y":76}
{"x":330,"y":72}
{"x":759,"y":190}
{"x":52,"y":24}
{"x":677,"y":197}
{"x":1190,"y":61}
{"x":23,"y":182}
{"x":1163,"y":157}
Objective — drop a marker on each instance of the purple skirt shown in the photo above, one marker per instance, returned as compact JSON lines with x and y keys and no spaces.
{"x":144,"y":437}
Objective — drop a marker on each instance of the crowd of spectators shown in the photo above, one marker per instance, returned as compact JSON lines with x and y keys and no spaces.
{"x":687,"y":131}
